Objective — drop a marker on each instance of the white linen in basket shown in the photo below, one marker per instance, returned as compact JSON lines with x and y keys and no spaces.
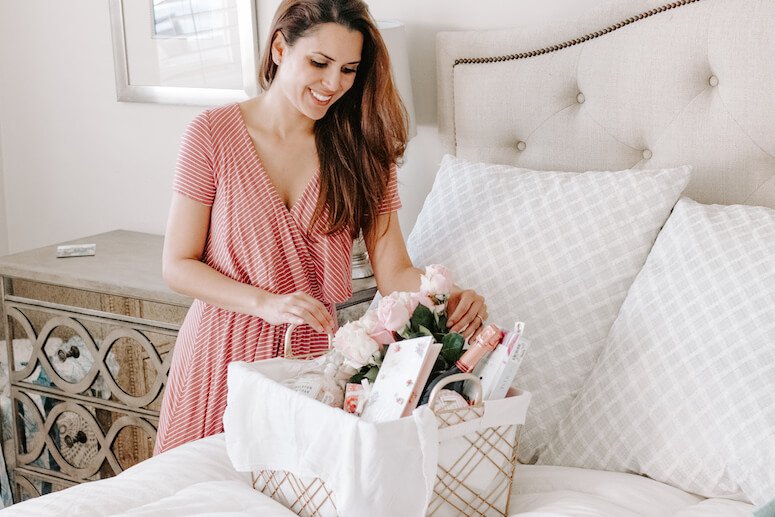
{"x":684,"y":391}
{"x":557,"y":250}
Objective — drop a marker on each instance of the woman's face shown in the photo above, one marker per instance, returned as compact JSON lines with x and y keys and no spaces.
{"x":319,"y":68}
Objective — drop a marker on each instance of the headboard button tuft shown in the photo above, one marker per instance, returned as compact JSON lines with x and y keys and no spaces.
{"x":713,"y":80}
{"x":580,"y":98}
{"x":521,"y":145}
{"x":647,"y":154}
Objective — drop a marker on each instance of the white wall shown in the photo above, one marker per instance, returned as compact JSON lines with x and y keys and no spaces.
{"x":3,"y":217}
{"x":75,"y":162}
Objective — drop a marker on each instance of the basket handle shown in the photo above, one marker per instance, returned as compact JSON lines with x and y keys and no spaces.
{"x":454,"y":378}
{"x":288,"y":353}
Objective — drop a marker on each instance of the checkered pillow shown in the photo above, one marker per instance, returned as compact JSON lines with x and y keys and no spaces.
{"x":684,"y":391}
{"x":557,"y":250}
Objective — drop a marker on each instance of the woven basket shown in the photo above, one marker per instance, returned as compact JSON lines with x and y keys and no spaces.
{"x":475,"y":467}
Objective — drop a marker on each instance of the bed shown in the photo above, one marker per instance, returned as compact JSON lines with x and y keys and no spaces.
{"x":636,"y":87}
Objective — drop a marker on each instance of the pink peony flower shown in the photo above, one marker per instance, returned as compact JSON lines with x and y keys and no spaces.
{"x":375,"y":329}
{"x":425,"y":300}
{"x":437,"y":280}
{"x":395,"y":310}
{"x":355,"y":344}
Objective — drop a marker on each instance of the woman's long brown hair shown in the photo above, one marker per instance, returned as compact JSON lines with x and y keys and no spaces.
{"x":364,"y":133}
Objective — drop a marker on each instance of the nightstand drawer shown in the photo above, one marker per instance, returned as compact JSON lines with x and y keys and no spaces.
{"x":76,"y":440}
{"x":91,"y":354}
{"x":30,"y":484}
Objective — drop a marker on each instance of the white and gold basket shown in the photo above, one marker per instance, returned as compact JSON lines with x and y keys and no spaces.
{"x":477,"y":458}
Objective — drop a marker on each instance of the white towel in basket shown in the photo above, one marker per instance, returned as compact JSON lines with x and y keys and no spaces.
{"x":382,"y":469}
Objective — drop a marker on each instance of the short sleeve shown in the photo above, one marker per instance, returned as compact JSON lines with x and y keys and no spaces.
{"x":195,"y":170}
{"x":391,"y":202}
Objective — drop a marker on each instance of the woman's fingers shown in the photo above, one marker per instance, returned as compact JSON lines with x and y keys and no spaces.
{"x":466,"y":312}
{"x":293,"y":319}
{"x":313,"y":312}
{"x":476,"y":326}
{"x":461,"y":303}
{"x":474,"y":321}
{"x":313,"y":319}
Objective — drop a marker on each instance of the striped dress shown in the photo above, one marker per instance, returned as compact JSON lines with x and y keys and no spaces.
{"x":255,"y":239}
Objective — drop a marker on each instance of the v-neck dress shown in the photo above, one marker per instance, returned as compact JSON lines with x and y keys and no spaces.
{"x":254,"y":239}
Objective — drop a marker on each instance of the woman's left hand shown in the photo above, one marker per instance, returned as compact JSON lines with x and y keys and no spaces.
{"x":467,"y":313}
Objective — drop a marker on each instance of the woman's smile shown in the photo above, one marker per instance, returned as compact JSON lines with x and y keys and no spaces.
{"x":320,"y":98}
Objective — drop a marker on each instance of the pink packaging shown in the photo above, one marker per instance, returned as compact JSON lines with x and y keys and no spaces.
{"x":353,"y":393}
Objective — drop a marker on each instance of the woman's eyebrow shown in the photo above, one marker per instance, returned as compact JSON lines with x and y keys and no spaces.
{"x":332,"y":59}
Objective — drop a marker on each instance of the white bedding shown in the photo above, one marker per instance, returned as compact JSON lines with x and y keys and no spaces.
{"x":198,"y":479}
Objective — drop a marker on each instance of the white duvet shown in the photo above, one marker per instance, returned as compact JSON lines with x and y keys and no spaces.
{"x":197,"y":479}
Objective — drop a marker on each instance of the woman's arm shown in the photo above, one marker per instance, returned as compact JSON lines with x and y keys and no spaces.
{"x":394,"y":271}
{"x":184,"y":272}
{"x":390,"y":261}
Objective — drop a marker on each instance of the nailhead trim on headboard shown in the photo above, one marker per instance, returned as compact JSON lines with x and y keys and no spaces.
{"x":570,"y":43}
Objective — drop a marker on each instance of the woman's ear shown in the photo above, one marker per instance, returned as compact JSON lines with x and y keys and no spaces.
{"x":279,"y":47}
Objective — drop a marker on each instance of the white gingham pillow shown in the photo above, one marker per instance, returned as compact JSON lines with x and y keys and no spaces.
{"x":684,"y":391}
{"x":557,"y":250}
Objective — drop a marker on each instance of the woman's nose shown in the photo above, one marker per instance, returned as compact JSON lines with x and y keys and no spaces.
{"x":331,"y":79}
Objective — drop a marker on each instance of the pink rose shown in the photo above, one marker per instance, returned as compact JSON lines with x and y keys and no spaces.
{"x":395,"y":310}
{"x":375,"y":329}
{"x":437,"y":281}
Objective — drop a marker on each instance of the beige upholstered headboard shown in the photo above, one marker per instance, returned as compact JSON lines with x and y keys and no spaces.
{"x":637,"y":86}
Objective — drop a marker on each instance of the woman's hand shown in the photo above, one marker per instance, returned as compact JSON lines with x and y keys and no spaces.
{"x":296,"y":308}
{"x":467,"y":312}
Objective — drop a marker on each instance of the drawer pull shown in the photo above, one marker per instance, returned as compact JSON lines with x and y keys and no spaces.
{"x":73,"y":352}
{"x":80,"y":437}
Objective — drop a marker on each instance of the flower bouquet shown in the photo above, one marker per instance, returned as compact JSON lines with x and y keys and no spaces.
{"x":399,"y":316}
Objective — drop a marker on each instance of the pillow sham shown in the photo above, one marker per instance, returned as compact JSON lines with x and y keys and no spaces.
{"x":684,"y":391}
{"x":557,"y":250}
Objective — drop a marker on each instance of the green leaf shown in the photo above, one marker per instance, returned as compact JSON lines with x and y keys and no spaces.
{"x":424,"y":331}
{"x":452,"y":347}
{"x":372,"y":374}
{"x":423,"y":317}
{"x":361,"y":374}
{"x":443,"y":323}
{"x":405,"y":333}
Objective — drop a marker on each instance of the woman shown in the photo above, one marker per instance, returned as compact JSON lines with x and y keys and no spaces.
{"x":268,"y":196}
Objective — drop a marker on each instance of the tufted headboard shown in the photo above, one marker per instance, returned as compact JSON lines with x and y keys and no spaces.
{"x":636,"y":86}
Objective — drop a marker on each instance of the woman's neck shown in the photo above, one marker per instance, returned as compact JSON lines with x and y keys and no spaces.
{"x":279,"y":117}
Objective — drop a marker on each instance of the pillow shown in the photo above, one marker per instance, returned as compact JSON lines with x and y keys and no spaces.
{"x":684,"y":391}
{"x":557,"y":250}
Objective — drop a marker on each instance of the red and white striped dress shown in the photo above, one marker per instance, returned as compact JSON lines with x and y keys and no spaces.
{"x":255,"y":239}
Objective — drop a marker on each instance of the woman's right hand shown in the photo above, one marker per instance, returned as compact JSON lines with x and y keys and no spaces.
{"x":296,"y":308}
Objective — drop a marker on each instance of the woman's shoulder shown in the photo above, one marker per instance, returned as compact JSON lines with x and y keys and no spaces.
{"x":219,"y":120}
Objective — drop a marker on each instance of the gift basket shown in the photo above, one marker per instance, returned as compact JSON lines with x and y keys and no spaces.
{"x":466,"y":452}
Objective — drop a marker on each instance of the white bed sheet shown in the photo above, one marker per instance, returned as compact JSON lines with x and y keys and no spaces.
{"x":543,"y":490}
{"x":194,"y":479}
{"x":198,"y":479}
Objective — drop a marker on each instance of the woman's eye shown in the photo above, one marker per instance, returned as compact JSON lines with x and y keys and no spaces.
{"x":349,"y":70}
{"x":318,"y":64}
